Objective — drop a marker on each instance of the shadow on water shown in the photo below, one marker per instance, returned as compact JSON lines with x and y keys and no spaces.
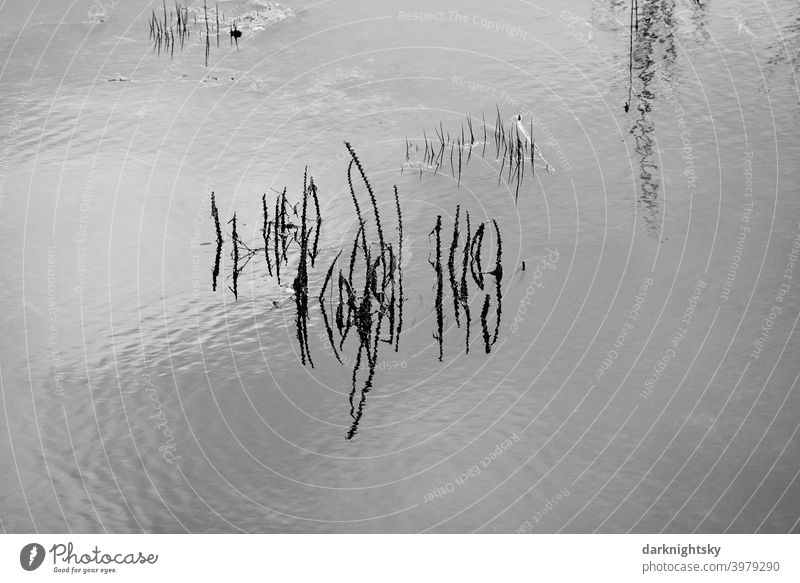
{"x":653,"y":69}
{"x":787,"y":50}
{"x":785,"y":53}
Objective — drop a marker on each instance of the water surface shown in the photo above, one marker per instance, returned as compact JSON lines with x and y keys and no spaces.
{"x":646,"y":383}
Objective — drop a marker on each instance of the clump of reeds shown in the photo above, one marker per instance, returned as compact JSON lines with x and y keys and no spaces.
{"x":367,"y":296}
{"x":182,"y":13}
{"x":470,"y":264}
{"x":514,"y":149}
{"x":166,"y":26}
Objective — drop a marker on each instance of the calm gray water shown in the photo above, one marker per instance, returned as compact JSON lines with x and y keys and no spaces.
{"x":645,"y":374}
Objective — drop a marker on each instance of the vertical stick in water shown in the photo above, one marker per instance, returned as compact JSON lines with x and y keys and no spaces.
{"x":485,"y":325}
{"x":348,"y":319}
{"x":451,"y":267}
{"x":315,"y":248}
{"x":520,"y":168}
{"x":371,"y":193}
{"x":351,"y":398}
{"x":438,"y":267}
{"x":460,"y":147}
{"x":399,"y":270}
{"x":498,"y":277}
{"x":265,"y":232}
{"x":452,"y":171}
{"x":464,"y":292}
{"x":301,"y":279}
{"x":348,"y":283}
{"x":354,"y":254}
{"x":215,"y":216}
{"x":276,"y":224}
{"x":208,"y":46}
{"x":512,"y":142}
{"x":483,"y":151}
{"x":322,"y":306}
{"x":235,"y":237}
{"x":630,"y":55}
{"x":533,"y":149}
{"x":340,"y":305}
{"x":300,"y":286}
{"x":305,"y":204}
{"x":475,"y":255}
{"x":284,"y":228}
{"x":497,"y":123}
{"x":442,"y":146}
{"x":359,"y":412}
{"x":357,"y":207}
{"x":502,"y":165}
{"x":181,"y":23}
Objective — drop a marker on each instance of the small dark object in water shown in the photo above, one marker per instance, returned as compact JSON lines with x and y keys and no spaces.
{"x":523,"y":266}
{"x":627,"y":107}
{"x":235,"y":34}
